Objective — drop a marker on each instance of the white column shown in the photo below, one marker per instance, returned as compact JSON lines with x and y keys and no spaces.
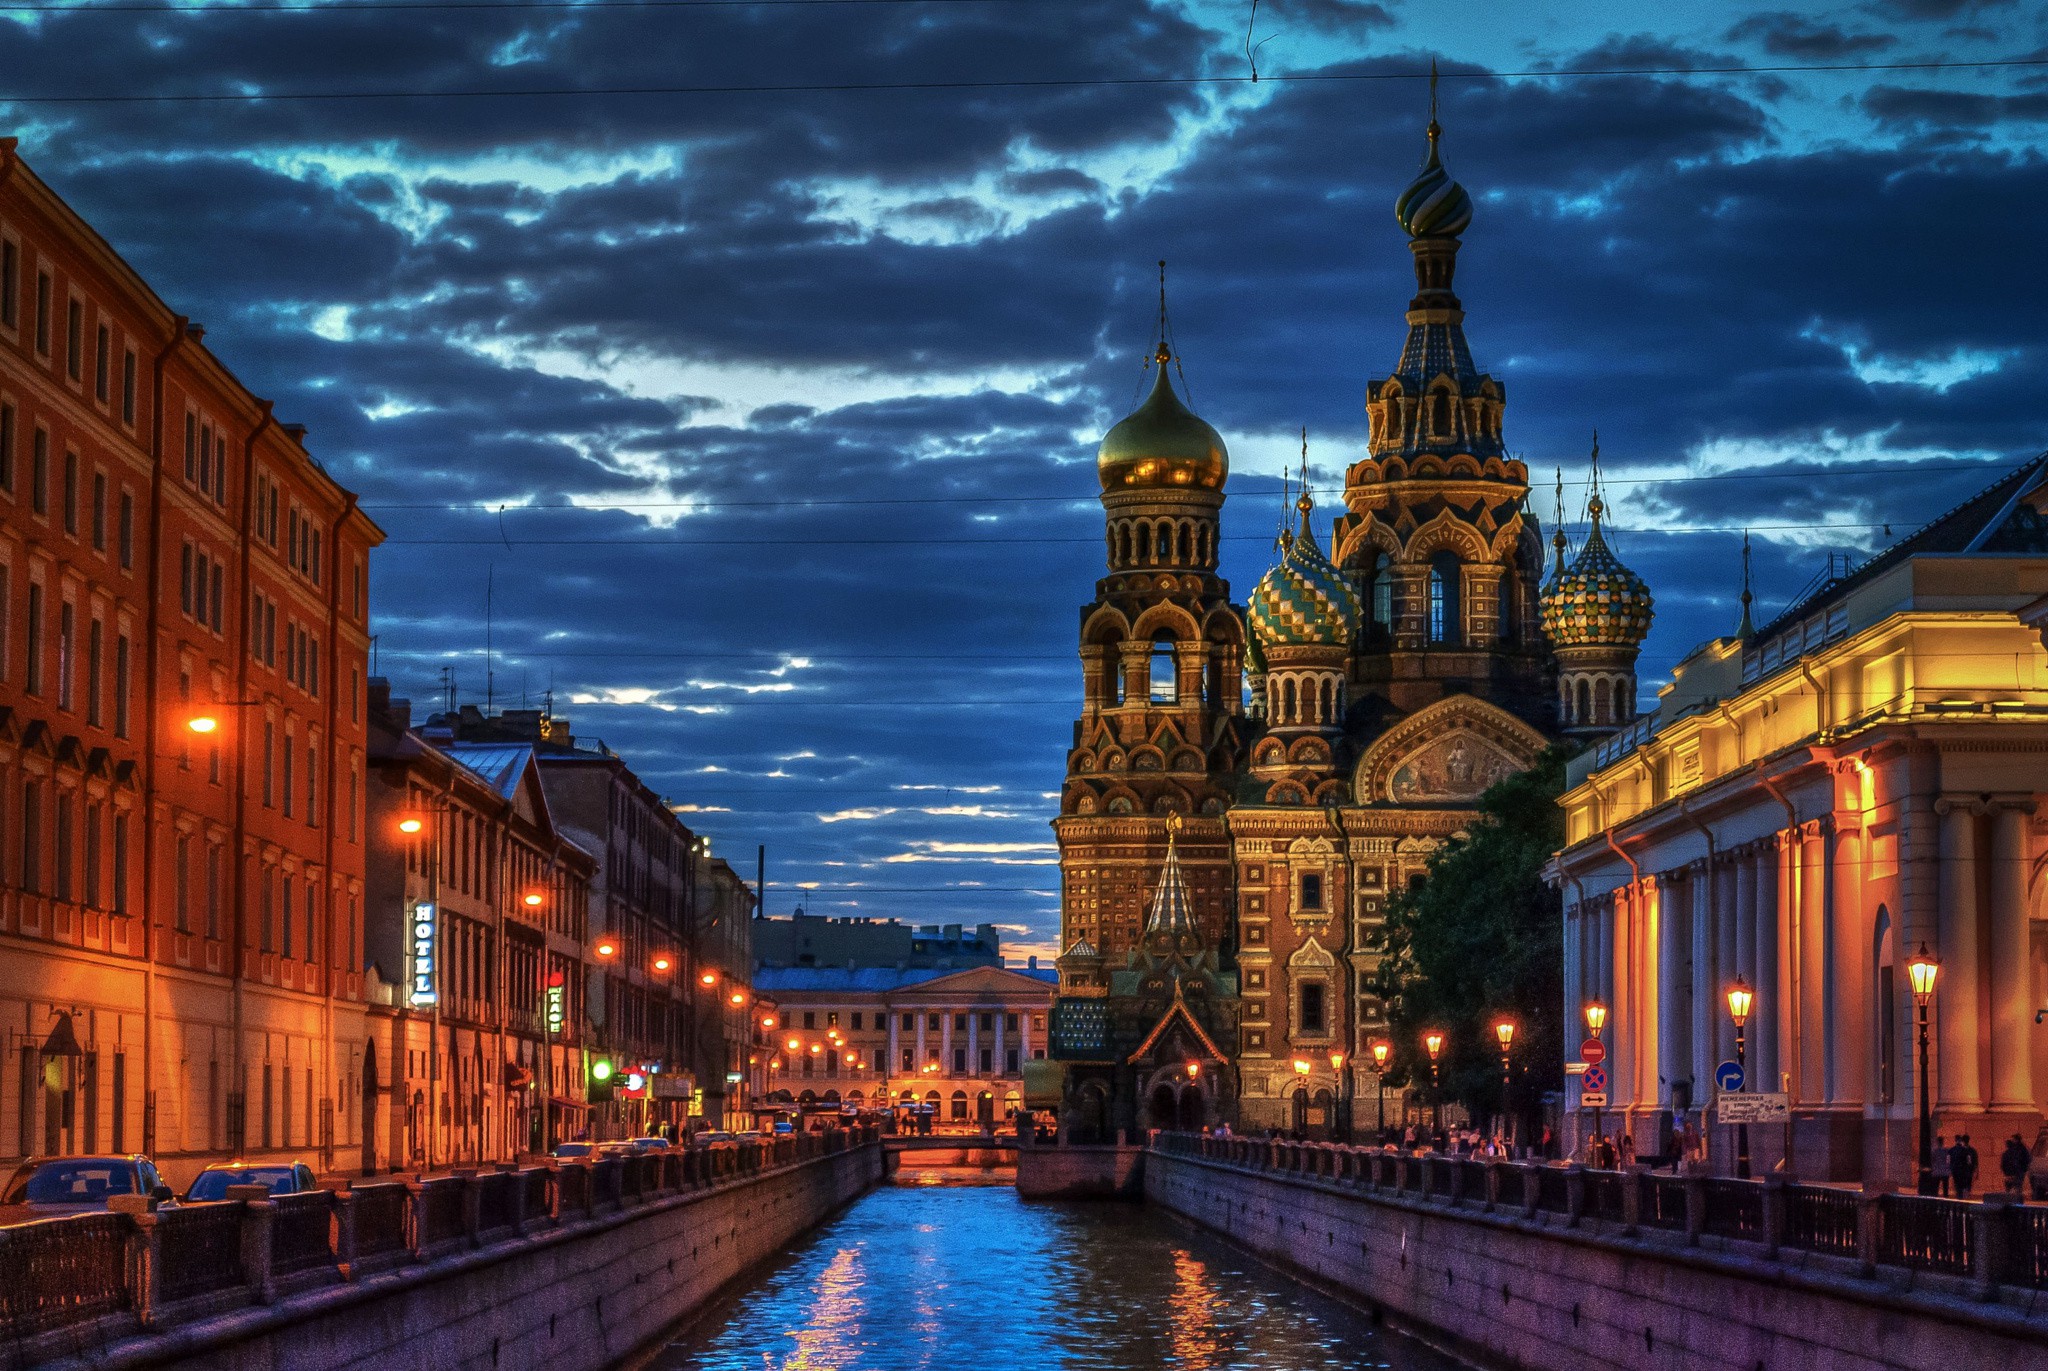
{"x":1958,"y":1009}
{"x":894,"y":1061}
{"x":1705,"y":978}
{"x":2012,"y":1009}
{"x":1851,"y":995}
{"x":1001,"y":1060}
{"x":1810,"y":920}
{"x":1731,"y":952}
{"x":974,"y":1043}
{"x":923,"y":1017}
{"x":1768,"y":1012}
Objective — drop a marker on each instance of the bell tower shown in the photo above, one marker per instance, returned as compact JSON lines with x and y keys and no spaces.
{"x":1162,"y":654}
{"x":1445,"y":562}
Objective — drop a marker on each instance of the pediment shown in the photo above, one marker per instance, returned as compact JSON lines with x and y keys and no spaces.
{"x":1446,"y":754}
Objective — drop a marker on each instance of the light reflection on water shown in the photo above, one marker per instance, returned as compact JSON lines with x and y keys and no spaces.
{"x":934,"y":1274}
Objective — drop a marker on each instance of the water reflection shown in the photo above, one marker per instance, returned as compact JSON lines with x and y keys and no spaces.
{"x":931,"y":1275}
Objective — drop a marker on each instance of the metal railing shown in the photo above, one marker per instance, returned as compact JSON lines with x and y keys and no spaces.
{"x":150,"y":1267}
{"x":1993,"y":1243}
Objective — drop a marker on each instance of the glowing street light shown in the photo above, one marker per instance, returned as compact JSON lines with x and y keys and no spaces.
{"x":1381,"y":1050}
{"x":709,"y":978}
{"x":1596,"y":1017}
{"x":1433,"y":1041}
{"x":1739,"y":1000}
{"x":1922,"y":971}
{"x":534,"y":899}
{"x":202,"y":723}
{"x":411,"y":823}
{"x":738,"y":999}
{"x":606,"y":948}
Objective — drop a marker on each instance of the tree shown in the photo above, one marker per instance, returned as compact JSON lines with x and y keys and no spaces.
{"x":1479,"y":939}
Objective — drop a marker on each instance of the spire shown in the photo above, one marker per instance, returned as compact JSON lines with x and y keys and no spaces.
{"x":1164,"y":353}
{"x":1745,"y":630}
{"x":1305,"y":504}
{"x":1557,"y":538}
{"x":1433,"y":205}
{"x":1595,"y":506}
{"x":1172,"y":910}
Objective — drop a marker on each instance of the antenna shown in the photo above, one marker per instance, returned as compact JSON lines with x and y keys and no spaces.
{"x":1745,"y":628}
{"x":490,"y":680}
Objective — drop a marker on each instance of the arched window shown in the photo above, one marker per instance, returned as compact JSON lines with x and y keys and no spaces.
{"x":1187,"y":545}
{"x":1117,"y":693}
{"x":1144,"y":543}
{"x":1326,"y":704}
{"x":1382,"y":597}
{"x":1163,"y":685}
{"x":1887,"y":1006}
{"x":1445,"y":594}
{"x":1440,"y":418}
{"x":1287,"y":708}
{"x":1603,"y":701}
{"x":1582,"y":713}
{"x":960,"y":1105}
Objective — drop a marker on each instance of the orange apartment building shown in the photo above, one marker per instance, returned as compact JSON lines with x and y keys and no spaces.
{"x":181,"y":912}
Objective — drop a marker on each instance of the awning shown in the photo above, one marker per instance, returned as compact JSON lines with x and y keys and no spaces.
{"x":62,"y":1042}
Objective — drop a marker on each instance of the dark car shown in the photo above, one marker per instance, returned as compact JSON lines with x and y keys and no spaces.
{"x":50,"y":1187}
{"x":573,"y":1149}
{"x":283,"y":1178}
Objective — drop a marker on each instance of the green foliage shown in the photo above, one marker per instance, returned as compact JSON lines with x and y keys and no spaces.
{"x":1479,"y":940}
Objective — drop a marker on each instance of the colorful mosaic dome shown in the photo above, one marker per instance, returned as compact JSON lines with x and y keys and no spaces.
{"x":1433,"y":206}
{"x":1162,"y":443}
{"x":1303,"y":601}
{"x":1597,"y":602}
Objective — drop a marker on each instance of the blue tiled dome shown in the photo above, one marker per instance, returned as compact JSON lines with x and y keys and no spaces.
{"x":1597,"y":602}
{"x":1303,"y":601}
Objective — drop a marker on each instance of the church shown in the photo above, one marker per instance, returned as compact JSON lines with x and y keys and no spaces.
{"x":1248,"y":785}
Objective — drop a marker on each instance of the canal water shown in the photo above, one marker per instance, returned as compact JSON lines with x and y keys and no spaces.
{"x":948,"y":1271}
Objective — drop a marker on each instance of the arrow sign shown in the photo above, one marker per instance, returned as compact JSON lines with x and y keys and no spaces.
{"x":1728,"y":1076}
{"x":1594,"y":1080}
{"x":1592,"y":1051}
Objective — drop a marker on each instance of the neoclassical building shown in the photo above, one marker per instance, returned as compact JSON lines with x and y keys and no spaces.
{"x":1809,"y":805}
{"x":1390,"y":681}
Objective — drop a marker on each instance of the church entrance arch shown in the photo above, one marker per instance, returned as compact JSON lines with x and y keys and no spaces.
{"x":1193,"y":1109}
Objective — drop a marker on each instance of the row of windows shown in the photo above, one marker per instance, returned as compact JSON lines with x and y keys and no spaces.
{"x":200,"y":581}
{"x":934,"y":1022}
{"x":96,"y":673}
{"x":76,"y":499}
{"x":86,"y":859}
{"x":74,"y":333}
{"x":206,"y":458}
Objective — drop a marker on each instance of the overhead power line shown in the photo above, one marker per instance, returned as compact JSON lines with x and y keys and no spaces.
{"x":229,"y":10}
{"x":1000,"y":83}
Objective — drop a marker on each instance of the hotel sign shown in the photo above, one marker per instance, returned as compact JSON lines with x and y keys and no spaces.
{"x":424,"y":951}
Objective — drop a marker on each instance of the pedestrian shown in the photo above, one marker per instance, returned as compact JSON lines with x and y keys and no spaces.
{"x":1627,"y":1158}
{"x":2013,"y":1163}
{"x":1963,"y":1162}
{"x":1939,"y":1167}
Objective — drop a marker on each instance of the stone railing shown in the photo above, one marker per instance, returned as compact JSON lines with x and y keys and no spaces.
{"x":1993,"y":1243}
{"x":140,"y":1267}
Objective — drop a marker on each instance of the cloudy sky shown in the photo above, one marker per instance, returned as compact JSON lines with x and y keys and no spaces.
{"x":755,"y":353}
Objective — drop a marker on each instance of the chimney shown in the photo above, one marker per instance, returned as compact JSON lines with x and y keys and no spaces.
{"x":1031,"y":962}
{"x":558,"y":732}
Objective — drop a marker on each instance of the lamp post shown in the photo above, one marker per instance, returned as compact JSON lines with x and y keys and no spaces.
{"x":1596,"y":1019}
{"x":1505,"y":1032}
{"x":1922,"y":971}
{"x":425,"y":974}
{"x":1433,"y":1041}
{"x":1301,"y":1069}
{"x":1739,"y":999}
{"x":1381,"y":1050}
{"x":1342,"y":1130}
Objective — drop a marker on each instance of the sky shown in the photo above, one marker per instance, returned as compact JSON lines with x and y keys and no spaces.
{"x":749,"y":358}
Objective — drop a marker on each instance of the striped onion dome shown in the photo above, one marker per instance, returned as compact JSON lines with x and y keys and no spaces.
{"x":1433,"y":206}
{"x":1597,"y":602}
{"x":1303,"y":601}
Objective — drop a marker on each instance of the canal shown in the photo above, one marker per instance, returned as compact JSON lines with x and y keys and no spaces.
{"x":949,"y":1270}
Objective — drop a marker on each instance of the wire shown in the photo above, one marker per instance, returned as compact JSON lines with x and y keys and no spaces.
{"x":230,"y":9}
{"x":483,"y":507}
{"x":1014,"y":83}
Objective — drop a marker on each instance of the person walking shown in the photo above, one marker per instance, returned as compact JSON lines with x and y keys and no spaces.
{"x":1627,"y":1158}
{"x":2013,"y":1164}
{"x":1939,"y":1164}
{"x":1963,"y":1163}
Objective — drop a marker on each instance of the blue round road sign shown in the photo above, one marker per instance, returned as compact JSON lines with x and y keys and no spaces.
{"x":1728,"y":1075}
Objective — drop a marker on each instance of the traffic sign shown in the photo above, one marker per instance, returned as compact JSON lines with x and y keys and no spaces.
{"x":1592,"y":1099}
{"x":1595,"y":1080}
{"x":1728,"y":1076}
{"x":1574,"y":1068}
{"x":1592,"y":1051}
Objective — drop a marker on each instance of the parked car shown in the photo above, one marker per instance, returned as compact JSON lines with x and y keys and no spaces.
{"x":50,"y":1187}
{"x":283,"y":1178}
{"x":573,"y":1149}
{"x":711,"y":1137}
{"x":650,"y":1144}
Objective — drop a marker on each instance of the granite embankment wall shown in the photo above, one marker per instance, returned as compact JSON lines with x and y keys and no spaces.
{"x":569,"y":1289}
{"x":1516,"y":1285}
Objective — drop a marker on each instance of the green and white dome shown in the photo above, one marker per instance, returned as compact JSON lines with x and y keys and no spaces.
{"x":1303,"y":601}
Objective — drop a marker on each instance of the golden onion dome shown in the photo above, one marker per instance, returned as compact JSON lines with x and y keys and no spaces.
{"x":1162,"y":444}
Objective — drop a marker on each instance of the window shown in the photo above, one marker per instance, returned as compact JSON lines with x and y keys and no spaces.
{"x":312,"y":788}
{"x":71,"y":492}
{"x":64,"y":856}
{"x":7,"y":447}
{"x":128,"y":387}
{"x":1311,"y":890}
{"x":94,"y":635}
{"x":213,"y":889}
{"x":1382,"y":598}
{"x":285,"y":924}
{"x":10,"y":284}
{"x":288,"y":776}
{"x":1444,"y":598}
{"x":269,"y":753}
{"x":121,"y":685}
{"x":35,"y":639}
{"x":102,"y":366}
{"x":67,"y":629}
{"x":191,"y":446}
{"x":1163,"y":684}
{"x":1314,"y":1010}
{"x":810,"y":1019}
{"x":99,"y":511}
{"x":181,"y":884}
{"x":39,"y":472}
{"x":6,"y":624}
{"x":91,"y":892}
{"x":74,"y":340}
{"x":124,"y":531}
{"x":42,"y":314}
{"x":32,"y":837}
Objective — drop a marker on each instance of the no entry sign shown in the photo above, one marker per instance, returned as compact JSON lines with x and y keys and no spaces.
{"x":1592,"y":1052}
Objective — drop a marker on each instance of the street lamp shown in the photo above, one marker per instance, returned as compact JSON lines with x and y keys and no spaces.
{"x":1343,"y":1101}
{"x":1301,"y":1069}
{"x":1505,"y":1032}
{"x":1922,"y":971}
{"x":1739,"y":1000}
{"x":534,"y":899}
{"x":1433,"y":1040}
{"x":1381,"y":1050}
{"x":1596,"y":1019}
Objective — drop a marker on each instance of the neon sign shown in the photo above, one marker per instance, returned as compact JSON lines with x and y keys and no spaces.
{"x":424,"y":944}
{"x":556,"y":999}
